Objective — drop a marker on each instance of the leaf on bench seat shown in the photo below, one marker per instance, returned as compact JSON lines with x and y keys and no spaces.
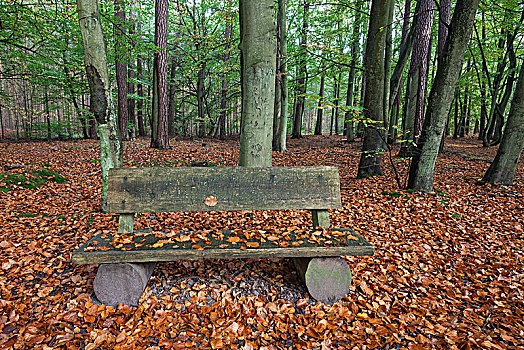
{"x":211,"y":201}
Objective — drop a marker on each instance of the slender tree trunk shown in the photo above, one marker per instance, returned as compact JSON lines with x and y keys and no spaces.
{"x":373,"y":142}
{"x":140,"y":94}
{"x":258,"y":60}
{"x":121,"y":66}
{"x":418,"y":71}
{"x":502,"y":170}
{"x":337,"y":103}
{"x":440,"y":97}
{"x":387,"y":61}
{"x":280,"y":143}
{"x":302,"y":80}
{"x":173,"y":87}
{"x":320,"y":107}
{"x":223,"y":97}
{"x":355,"y":48}
{"x":159,"y":122}
{"x":99,"y":86}
{"x":443,"y":25}
{"x":200,"y":100}
{"x":131,"y":103}
{"x":456,"y":127}
{"x":1,"y":104}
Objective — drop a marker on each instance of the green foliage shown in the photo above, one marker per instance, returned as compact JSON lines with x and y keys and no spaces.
{"x":31,"y":179}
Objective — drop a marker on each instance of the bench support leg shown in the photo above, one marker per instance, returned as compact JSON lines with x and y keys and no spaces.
{"x":122,"y":283}
{"x":327,"y":279}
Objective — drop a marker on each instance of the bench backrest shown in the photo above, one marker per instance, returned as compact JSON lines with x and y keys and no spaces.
{"x":181,"y":189}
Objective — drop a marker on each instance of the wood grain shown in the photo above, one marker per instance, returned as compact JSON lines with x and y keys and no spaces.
{"x":106,"y":253}
{"x":182,"y":189}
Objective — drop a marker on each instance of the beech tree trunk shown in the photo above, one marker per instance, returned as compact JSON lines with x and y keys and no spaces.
{"x":280,"y":138}
{"x":441,"y":95}
{"x":131,"y":103}
{"x":99,"y":86}
{"x":355,"y":49}
{"x":302,"y":79}
{"x":443,"y":25}
{"x":502,"y":170}
{"x":223,"y":97}
{"x":320,"y":106}
{"x":159,"y":122}
{"x":373,"y":143}
{"x":387,"y":61}
{"x":121,"y":66}
{"x":258,"y":66}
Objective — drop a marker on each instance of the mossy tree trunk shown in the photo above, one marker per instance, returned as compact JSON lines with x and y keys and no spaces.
{"x":99,"y":86}
{"x":441,"y":96}
{"x":258,"y":65}
{"x":373,"y":143}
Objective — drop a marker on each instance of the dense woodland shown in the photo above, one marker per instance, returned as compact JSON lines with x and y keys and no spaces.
{"x":419,"y":103}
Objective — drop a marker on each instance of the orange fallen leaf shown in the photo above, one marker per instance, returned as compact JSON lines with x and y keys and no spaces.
{"x":211,"y":201}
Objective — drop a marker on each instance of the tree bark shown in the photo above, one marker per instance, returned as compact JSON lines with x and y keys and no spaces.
{"x":159,"y":122}
{"x":355,"y":49}
{"x":320,"y":107}
{"x":223,"y":97}
{"x":373,"y":143}
{"x":258,"y":60}
{"x":418,"y":71}
{"x":443,"y":25}
{"x":302,"y":79}
{"x":121,"y":67}
{"x":281,"y":137}
{"x":131,"y":103}
{"x":99,"y":86}
{"x":502,"y":170}
{"x":387,"y":61}
{"x":441,"y":95}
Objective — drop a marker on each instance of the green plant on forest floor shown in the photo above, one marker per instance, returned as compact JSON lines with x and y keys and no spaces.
{"x":29,"y":178}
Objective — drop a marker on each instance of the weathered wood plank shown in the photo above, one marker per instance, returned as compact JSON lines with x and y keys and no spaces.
{"x":222,"y":189}
{"x":126,"y":223}
{"x":102,"y":249}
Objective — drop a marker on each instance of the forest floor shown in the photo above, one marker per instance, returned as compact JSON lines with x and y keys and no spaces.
{"x":448,"y":271}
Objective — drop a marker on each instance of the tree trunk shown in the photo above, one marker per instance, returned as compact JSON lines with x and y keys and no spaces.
{"x":387,"y":61}
{"x":320,"y":107}
{"x":302,"y":79}
{"x":223,"y":97}
{"x":443,"y":25}
{"x":280,"y":143}
{"x":121,"y":66}
{"x":159,"y":122}
{"x":502,"y":170}
{"x":355,"y":48}
{"x":131,"y":103}
{"x":99,"y":86}
{"x":441,"y":95}
{"x":337,"y":103}
{"x":258,"y":60}
{"x":200,"y":100}
{"x":140,"y":102}
{"x":373,"y":143}
{"x":418,"y":71}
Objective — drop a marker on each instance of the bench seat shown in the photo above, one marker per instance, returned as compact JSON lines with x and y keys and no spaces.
{"x":153,"y":247}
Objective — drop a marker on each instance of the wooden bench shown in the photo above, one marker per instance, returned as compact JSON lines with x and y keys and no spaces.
{"x":128,"y":257}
